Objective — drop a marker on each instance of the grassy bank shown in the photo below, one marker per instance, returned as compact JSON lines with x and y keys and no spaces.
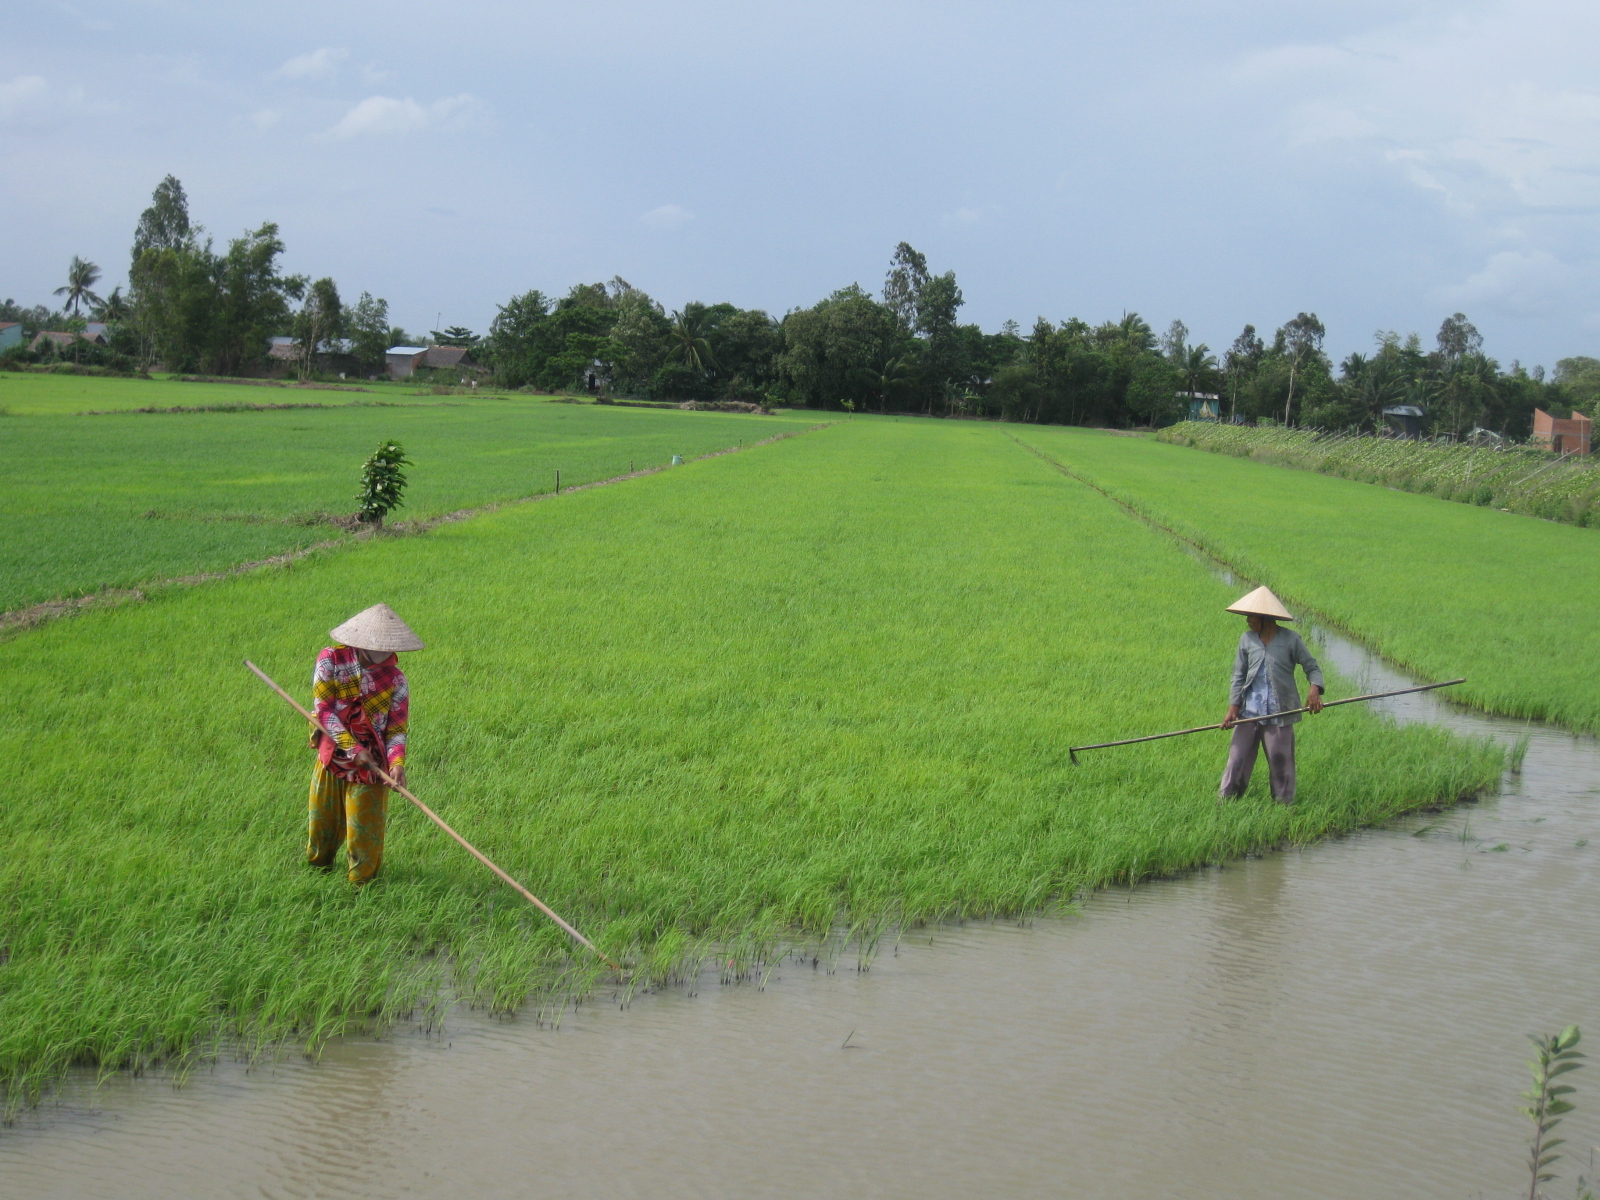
{"x":113,"y":501}
{"x":1519,"y":479}
{"x":831,"y":679}
{"x":1444,"y":589}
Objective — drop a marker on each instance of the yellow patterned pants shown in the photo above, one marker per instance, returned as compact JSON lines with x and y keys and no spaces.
{"x":352,"y":813}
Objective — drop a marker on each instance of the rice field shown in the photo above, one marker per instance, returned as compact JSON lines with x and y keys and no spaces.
{"x":830,"y":681}
{"x":122,"y":499}
{"x":1444,"y":589}
{"x":1519,"y":479}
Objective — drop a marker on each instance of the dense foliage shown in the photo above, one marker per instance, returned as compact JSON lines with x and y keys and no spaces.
{"x":191,"y":308}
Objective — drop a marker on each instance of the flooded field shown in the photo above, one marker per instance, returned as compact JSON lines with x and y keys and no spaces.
{"x":1345,"y":1020}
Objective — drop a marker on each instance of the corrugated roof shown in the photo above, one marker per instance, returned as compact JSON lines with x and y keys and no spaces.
{"x":406,"y":350}
{"x":449,"y":356}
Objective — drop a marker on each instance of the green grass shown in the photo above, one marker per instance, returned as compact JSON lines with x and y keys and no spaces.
{"x":1520,"y":479}
{"x":830,"y":680}
{"x":94,"y":502}
{"x":1444,"y":589}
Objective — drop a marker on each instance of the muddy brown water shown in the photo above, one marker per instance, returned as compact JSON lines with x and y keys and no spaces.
{"x":1345,"y":1020}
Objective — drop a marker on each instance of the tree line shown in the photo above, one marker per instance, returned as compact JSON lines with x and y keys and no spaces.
{"x":194,"y":307}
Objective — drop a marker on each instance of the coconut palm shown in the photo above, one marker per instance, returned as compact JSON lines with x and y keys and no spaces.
{"x":113,"y":308}
{"x":1199,"y":367}
{"x":688,"y":338}
{"x":81,"y":278}
{"x":893,"y":376}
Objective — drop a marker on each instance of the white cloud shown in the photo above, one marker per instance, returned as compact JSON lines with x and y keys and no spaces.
{"x":968,"y":215}
{"x":318,"y":64}
{"x":1496,"y":110}
{"x":386,"y":116}
{"x":668,"y":216}
{"x":29,"y":102}
{"x":20,"y":94}
{"x":1516,"y":283}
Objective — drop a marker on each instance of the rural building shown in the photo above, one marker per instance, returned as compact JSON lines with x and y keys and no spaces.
{"x":1570,"y":436}
{"x":450,"y":357}
{"x":403,"y":361}
{"x":282,"y":349}
{"x":1203,"y":406}
{"x":10,"y":334}
{"x":1405,"y":419}
{"x":63,"y":340}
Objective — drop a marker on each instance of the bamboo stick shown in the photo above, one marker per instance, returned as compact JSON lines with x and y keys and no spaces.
{"x":437,"y":820}
{"x":1288,"y":712}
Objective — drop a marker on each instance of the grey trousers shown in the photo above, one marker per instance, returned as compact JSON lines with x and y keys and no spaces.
{"x":1242,"y":751}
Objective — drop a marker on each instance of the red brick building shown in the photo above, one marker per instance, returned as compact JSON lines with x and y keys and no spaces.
{"x":1564,"y":437}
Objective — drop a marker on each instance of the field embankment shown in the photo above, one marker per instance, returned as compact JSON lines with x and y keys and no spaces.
{"x":124,"y":499}
{"x":833,"y":679}
{"x":1519,"y":479}
{"x":1442,"y":589}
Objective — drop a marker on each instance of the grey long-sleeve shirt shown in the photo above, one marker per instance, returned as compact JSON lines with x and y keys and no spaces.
{"x":1279,"y":658}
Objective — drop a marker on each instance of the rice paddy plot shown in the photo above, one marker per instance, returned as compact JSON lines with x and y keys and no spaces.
{"x":114,"y":501}
{"x":733,"y":704}
{"x":1522,"y":479}
{"x":1443,"y":589}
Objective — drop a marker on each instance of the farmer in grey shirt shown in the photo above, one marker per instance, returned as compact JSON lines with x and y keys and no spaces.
{"x":1263,"y":682}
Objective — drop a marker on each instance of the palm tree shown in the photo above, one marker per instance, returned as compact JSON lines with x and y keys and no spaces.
{"x":81,"y":277}
{"x":113,"y":308}
{"x":1136,"y":332}
{"x":1199,"y":367}
{"x":891,"y":377}
{"x":688,"y":337}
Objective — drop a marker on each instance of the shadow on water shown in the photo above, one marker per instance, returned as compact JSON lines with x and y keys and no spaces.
{"x":1342,"y":1020}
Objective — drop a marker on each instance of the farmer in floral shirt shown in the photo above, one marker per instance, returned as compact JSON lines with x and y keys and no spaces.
{"x":362,"y":702}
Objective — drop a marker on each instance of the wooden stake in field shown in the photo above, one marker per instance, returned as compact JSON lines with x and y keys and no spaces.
{"x":1288,"y":712}
{"x":437,"y":820}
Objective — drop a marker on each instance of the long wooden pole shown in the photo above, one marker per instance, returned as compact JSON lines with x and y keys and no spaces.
{"x":437,"y":820}
{"x":1288,"y":712}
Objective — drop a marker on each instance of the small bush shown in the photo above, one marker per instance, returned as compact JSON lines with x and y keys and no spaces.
{"x":383,"y":483}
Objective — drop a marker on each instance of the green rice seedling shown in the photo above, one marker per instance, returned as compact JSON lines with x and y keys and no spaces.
{"x":119,"y":501}
{"x":828,"y":684}
{"x":1522,"y":479}
{"x":1442,"y":589}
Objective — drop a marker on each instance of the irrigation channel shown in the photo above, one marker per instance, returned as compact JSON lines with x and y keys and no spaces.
{"x":1342,"y":1020}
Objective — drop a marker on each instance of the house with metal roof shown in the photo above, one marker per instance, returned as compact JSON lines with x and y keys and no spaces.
{"x":10,"y":335}
{"x":403,"y":361}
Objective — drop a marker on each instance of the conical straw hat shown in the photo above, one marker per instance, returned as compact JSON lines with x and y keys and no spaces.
{"x":376,"y":628}
{"x":1261,"y":603}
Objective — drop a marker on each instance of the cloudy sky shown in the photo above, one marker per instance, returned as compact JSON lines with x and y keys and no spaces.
{"x":1222,"y":161}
